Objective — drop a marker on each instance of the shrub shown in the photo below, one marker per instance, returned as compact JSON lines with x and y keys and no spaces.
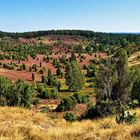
{"x":58,"y":72}
{"x":1,"y":57}
{"x":23,"y":66}
{"x":44,"y":109}
{"x":84,"y":66}
{"x":105,"y":108}
{"x":44,"y":79}
{"x":90,"y":71}
{"x":69,"y":117}
{"x":66,"y":104}
{"x":92,"y":86}
{"x":34,"y":67}
{"x":126,"y":117}
{"x":59,"y":85}
{"x":18,"y":94}
{"x":30,"y":69}
{"x":8,"y":66}
{"x":91,"y":79}
{"x":42,"y":70}
{"x":56,"y":63}
{"x":23,"y":93}
{"x":35,"y":101}
{"x":136,"y":89}
{"x":33,"y":76}
{"x":3,"y":101}
{"x":81,"y":98}
{"x":46,"y":93}
{"x":40,"y":64}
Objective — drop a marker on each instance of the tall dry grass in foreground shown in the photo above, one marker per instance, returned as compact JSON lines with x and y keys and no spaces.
{"x":21,"y":124}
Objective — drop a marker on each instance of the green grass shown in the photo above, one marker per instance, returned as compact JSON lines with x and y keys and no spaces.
{"x":86,"y":90}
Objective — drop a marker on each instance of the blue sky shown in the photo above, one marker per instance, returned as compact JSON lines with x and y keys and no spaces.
{"x":96,"y":15}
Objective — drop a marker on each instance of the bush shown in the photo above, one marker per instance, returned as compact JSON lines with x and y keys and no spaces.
{"x":34,"y":67}
{"x":91,"y":79}
{"x":105,"y":108}
{"x":84,"y":67}
{"x":35,"y":101}
{"x":23,"y":66}
{"x":43,"y":79}
{"x":30,"y":69}
{"x":42,"y":70}
{"x":8,"y":66}
{"x":33,"y":76}
{"x":90,"y":71}
{"x":80,"y":98}
{"x":58,"y":72}
{"x":69,"y":117}
{"x":3,"y":101}
{"x":18,"y":94}
{"x":92,"y":86}
{"x":46,"y":93}
{"x":66,"y":104}
{"x":136,"y":91}
{"x":23,"y":93}
{"x":69,"y":103}
{"x":44,"y":109}
{"x":126,"y":117}
{"x":1,"y":57}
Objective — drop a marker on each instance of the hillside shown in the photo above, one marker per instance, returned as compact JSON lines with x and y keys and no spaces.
{"x":21,"y":124}
{"x":69,"y":75}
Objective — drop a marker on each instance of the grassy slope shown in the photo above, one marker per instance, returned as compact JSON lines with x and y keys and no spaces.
{"x":20,"y":124}
{"x":134,"y":59}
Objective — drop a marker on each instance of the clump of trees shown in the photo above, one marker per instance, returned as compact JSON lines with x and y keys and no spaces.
{"x":45,"y":92}
{"x":18,"y":94}
{"x":115,"y":83}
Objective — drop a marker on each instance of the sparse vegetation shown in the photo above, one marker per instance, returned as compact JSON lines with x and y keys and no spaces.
{"x":99,"y":67}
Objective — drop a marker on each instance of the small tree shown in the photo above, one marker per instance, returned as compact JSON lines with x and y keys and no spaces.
{"x":74,"y":77}
{"x":43,"y":80}
{"x":33,"y":77}
{"x":66,"y":104}
{"x":73,"y":57}
{"x":30,"y":69}
{"x":49,"y":77}
{"x":34,"y":67}
{"x":24,"y":66}
{"x":40,"y":64}
{"x":58,"y":85}
{"x":58,"y":72}
{"x":114,"y":86}
{"x":70,"y":117}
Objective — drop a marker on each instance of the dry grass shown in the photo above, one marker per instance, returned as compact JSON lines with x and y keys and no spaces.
{"x":133,"y":59}
{"x":21,"y":124}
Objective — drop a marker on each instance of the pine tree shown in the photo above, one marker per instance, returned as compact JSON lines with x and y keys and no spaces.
{"x":74,"y":76}
{"x":59,"y":85}
{"x":30,"y":69}
{"x":33,"y":77}
{"x":40,"y":64}
{"x":49,"y":77}
{"x":73,"y":57}
{"x":43,"y":80}
{"x":58,"y":72}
